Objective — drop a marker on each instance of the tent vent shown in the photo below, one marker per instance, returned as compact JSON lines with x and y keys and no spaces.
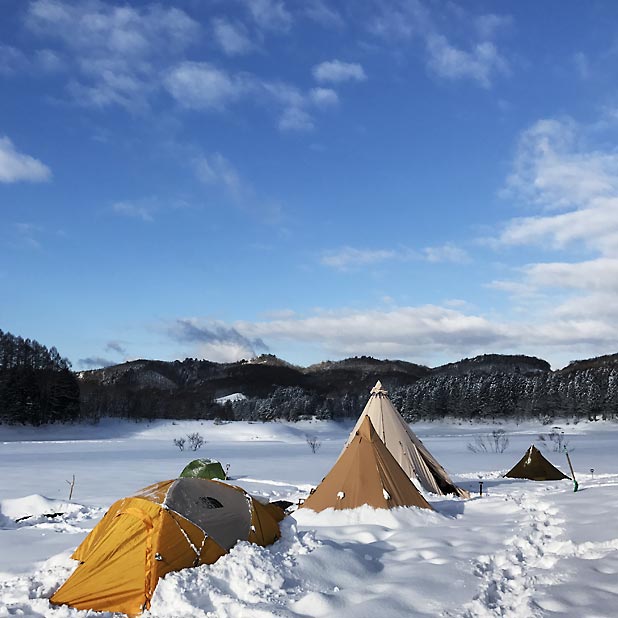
{"x":210,"y":503}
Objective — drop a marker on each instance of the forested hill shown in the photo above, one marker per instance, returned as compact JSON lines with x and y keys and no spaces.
{"x":37,"y":386}
{"x":36,"y":383}
{"x":488,"y":387}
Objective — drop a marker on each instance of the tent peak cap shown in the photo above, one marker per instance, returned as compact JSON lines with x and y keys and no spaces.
{"x":378,"y":389}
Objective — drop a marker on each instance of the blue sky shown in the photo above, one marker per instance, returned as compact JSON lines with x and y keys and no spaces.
{"x":314,"y":179}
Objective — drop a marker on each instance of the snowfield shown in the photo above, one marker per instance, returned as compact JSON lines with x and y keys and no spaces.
{"x":523,"y":550}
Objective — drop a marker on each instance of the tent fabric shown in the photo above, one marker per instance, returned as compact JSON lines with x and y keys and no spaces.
{"x":365,"y":473}
{"x":165,"y":527}
{"x":533,"y":466}
{"x":405,"y":446}
{"x":203,"y":469}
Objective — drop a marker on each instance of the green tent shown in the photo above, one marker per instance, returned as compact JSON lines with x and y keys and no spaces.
{"x":204,"y":469}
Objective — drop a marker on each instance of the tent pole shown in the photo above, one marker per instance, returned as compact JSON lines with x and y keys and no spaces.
{"x":575,"y":483}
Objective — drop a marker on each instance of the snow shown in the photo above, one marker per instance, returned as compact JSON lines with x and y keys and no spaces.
{"x":233,"y":397}
{"x":522,"y":550}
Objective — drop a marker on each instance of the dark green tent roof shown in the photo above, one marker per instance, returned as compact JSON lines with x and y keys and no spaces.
{"x":535,"y":467}
{"x":203,"y":469}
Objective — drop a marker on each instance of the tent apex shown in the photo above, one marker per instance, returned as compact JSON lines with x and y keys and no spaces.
{"x":378,"y":389}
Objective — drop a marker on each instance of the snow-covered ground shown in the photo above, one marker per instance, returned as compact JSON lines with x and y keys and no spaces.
{"x":524,"y":549}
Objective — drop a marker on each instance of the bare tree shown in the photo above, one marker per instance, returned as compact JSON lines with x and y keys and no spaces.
{"x":180,"y":443}
{"x":196,"y":440}
{"x":559,"y":442}
{"x":314,"y":443}
{"x":497,"y":442}
{"x":500,"y":440}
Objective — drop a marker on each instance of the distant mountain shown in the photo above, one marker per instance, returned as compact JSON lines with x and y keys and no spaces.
{"x":609,"y":361}
{"x":254,"y":378}
{"x":494,"y":363}
{"x":487,"y":387}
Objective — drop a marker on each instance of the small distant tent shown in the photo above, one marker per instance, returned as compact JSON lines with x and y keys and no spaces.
{"x":203,"y":469}
{"x":535,"y":467}
{"x":405,"y":446}
{"x":365,"y":473}
{"x":165,"y":527}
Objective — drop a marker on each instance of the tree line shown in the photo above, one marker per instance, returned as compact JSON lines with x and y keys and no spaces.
{"x":37,"y":386}
{"x":36,"y":383}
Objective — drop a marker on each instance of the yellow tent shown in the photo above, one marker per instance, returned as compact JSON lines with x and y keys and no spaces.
{"x":165,"y":527}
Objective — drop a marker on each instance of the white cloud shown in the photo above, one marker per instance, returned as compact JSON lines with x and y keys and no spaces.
{"x":12,"y":60}
{"x":428,"y":334}
{"x":200,"y":85}
{"x":446,"y":253}
{"x":26,"y":235}
{"x":480,"y":64}
{"x":217,"y":170}
{"x":131,"y":209}
{"x":49,"y":61}
{"x":295,"y":119}
{"x":95,"y":27}
{"x":399,"y":20}
{"x":338,"y":71}
{"x":278,"y":91}
{"x":320,"y":12}
{"x":118,"y":51}
{"x":556,"y":172}
{"x":215,"y":340}
{"x":16,"y":166}
{"x":598,"y":275}
{"x":270,"y":14}
{"x":573,"y":185}
{"x":348,"y":258}
{"x":223,"y":352}
{"x":232,"y":37}
{"x":476,"y":58}
{"x":595,"y":227}
{"x":323,"y":97}
{"x":582,"y":64}
{"x":490,"y":24}
{"x":420,"y":333}
{"x":553,"y":170}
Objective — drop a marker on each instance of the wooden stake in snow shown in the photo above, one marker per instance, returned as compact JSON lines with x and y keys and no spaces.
{"x":72,"y":484}
{"x":575,"y":483}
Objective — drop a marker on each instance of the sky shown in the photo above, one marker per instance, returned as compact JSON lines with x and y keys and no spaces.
{"x":217,"y":179}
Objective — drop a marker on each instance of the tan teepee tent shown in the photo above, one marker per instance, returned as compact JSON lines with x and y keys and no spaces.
{"x":410,"y":453}
{"x":365,"y":473}
{"x":535,"y":467}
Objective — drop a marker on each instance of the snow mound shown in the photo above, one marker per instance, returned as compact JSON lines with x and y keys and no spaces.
{"x":248,"y":581}
{"x":37,"y":510}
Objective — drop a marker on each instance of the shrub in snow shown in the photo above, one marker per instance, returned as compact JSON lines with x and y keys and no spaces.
{"x":497,"y":442}
{"x":196,"y":440}
{"x":180,"y":443}
{"x":559,"y":442}
{"x":314,"y":443}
